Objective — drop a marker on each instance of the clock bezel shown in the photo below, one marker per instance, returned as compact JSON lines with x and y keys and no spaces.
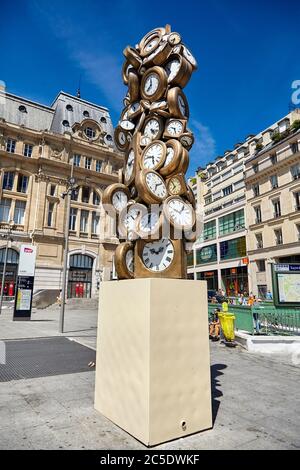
{"x":184,"y":73}
{"x":172,"y":99}
{"x":181,"y":178}
{"x":171,"y":220}
{"x":108,"y":193}
{"x":144,"y":191}
{"x":162,"y":85}
{"x":162,"y":159}
{"x":122,"y":229}
{"x":167,"y":135}
{"x":120,"y":260}
{"x":161,"y":126}
{"x":128,"y":137}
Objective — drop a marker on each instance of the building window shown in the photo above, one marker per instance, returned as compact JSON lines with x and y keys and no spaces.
{"x":255,"y":190}
{"x":69,"y":107}
{"x":295,"y":147}
{"x":76,"y":160}
{"x":11,"y":145}
{"x":88,"y":163}
{"x":84,"y":217}
{"x":103,"y":119}
{"x":109,"y":138}
{"x":19,"y":212}
{"x":297,"y":200}
{"x":295,"y":171}
{"x":74,"y":195}
{"x":298,"y":231}
{"x":273,"y":159}
{"x":65,"y":123}
{"x":50,"y":214}
{"x":207,"y":254}
{"x":22,"y":184}
{"x":232,"y":222}
{"x":278,"y":236}
{"x":27,"y":152}
{"x":277,"y":208}
{"x":5,"y":209}
{"x":72,"y":220}
{"x":233,"y":248}
{"x":90,"y":132}
{"x":22,"y":109}
{"x":8,"y":180}
{"x":86,"y":114}
{"x":190,"y":258}
{"x":52,"y":189}
{"x":261,"y":265}
{"x":209,"y":230}
{"x":227,"y":190}
{"x":99,"y":165}
{"x":85,"y":194}
{"x":208,"y":200}
{"x":257,"y":211}
{"x":274,"y":181}
{"x":259,"y":241}
{"x":95,"y":222}
{"x":96,"y":198}
{"x":255,"y":168}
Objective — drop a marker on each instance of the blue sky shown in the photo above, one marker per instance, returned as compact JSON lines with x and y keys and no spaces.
{"x":247,"y":52}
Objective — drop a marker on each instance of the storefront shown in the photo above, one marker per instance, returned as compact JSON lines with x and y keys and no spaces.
{"x":235,"y":280}
{"x":80,"y":276}
{"x":211,"y":277}
{"x":10,"y":272}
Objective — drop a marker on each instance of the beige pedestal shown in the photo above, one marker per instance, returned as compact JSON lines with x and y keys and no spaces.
{"x":153,"y":368}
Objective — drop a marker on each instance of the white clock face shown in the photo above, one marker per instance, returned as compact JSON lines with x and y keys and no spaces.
{"x":182,"y":106}
{"x":189,"y":56}
{"x":170,"y":155}
{"x":119,"y":200}
{"x":152,"y":129}
{"x":153,"y":156}
{"x":149,"y":222}
{"x":127,"y":125}
{"x":175,"y":128}
{"x":129,"y":165}
{"x":156,"y":185}
{"x":151,"y":84}
{"x":186,"y":141}
{"x":133,"y":108}
{"x":172,"y":67}
{"x":129,"y":260}
{"x":130,"y":218}
{"x":180,"y":213}
{"x":158,"y":255}
{"x":151,"y":44}
{"x":122,"y":138}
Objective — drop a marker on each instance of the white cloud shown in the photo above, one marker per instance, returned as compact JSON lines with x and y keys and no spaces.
{"x":204,"y":148}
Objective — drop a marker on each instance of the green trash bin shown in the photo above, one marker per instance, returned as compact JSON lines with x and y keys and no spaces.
{"x":227,"y":325}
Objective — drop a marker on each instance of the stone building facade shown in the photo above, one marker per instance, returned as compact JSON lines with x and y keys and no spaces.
{"x":40,"y":148}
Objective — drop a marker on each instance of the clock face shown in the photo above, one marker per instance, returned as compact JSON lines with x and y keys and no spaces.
{"x":151,"y":84}
{"x":180,"y":212}
{"x":152,"y":129}
{"x":145,"y":141}
{"x":129,"y":165}
{"x":174,"y":38}
{"x":153,"y":156}
{"x":158,"y":255}
{"x":187,"y":141}
{"x":119,"y":200}
{"x":129,"y":260}
{"x":149,"y":222}
{"x":175,"y":128}
{"x":133,"y":108}
{"x":170,"y":155}
{"x":122,"y":138}
{"x":156,"y":185}
{"x":189,"y":56}
{"x":130,"y":218}
{"x":172,"y":67}
{"x":174,"y":186}
{"x":182,"y":106}
{"x":151,"y":45}
{"x":127,"y":125}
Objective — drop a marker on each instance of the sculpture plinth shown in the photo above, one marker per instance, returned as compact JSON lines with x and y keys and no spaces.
{"x":153,"y":374}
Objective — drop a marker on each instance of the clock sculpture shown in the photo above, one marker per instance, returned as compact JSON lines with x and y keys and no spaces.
{"x":154,"y":135}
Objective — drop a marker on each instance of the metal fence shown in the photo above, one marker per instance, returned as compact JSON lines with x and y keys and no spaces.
{"x":265,"y":319}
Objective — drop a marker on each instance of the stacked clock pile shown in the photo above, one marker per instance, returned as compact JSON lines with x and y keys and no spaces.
{"x":154,"y":135}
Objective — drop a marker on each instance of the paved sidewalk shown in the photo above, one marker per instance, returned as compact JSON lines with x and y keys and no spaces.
{"x":256,"y":403}
{"x":80,"y":323}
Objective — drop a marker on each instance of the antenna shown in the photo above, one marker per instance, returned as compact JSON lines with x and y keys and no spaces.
{"x":79,"y":88}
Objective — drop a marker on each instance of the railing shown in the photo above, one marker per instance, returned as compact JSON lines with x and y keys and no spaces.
{"x":265,"y":319}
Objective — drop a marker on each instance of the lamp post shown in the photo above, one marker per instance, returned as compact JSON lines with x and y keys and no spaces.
{"x":9,"y":228}
{"x":67,"y":194}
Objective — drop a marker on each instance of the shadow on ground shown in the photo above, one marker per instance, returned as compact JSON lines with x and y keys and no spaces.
{"x":216,"y":371}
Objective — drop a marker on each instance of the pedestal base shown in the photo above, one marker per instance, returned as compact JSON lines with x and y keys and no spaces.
{"x":153,"y":367}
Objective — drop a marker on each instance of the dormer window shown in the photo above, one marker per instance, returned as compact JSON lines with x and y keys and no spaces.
{"x":69,"y":107}
{"x":65,"y":123}
{"x":103,"y":119}
{"x":90,"y":132}
{"x":86,"y":114}
{"x":22,"y":109}
{"x":109,"y":137}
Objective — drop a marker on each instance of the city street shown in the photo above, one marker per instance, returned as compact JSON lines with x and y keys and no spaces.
{"x":47,"y":401}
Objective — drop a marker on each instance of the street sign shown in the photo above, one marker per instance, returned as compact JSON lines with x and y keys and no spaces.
{"x":25,"y":282}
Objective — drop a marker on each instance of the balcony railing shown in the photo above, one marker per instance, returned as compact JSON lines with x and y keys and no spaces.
{"x":258,"y":220}
{"x":279,"y":241}
{"x":277,"y":214}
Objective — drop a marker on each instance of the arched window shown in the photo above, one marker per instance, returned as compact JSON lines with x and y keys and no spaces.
{"x":81,"y":261}
{"x":12,"y":256}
